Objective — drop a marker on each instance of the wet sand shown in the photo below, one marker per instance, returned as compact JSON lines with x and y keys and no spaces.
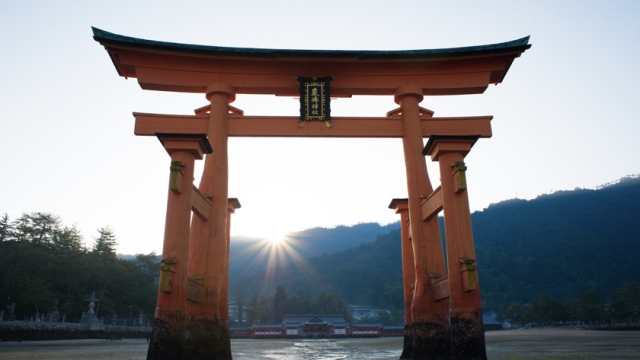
{"x":554,"y":343}
{"x":563,"y":343}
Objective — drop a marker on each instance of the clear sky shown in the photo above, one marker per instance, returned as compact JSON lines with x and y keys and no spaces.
{"x":566,"y":115}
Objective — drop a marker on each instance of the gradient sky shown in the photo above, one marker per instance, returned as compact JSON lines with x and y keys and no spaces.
{"x":564,"y":117}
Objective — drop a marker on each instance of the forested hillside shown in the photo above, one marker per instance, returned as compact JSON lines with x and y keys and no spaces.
{"x":44,"y":265}
{"x":559,"y":244}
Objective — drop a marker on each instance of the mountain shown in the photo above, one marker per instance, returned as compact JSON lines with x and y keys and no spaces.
{"x":248,"y":255}
{"x":559,"y":244}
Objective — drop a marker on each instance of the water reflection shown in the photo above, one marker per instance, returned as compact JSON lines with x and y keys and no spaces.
{"x":318,"y":349}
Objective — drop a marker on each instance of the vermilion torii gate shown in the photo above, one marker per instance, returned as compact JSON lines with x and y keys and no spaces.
{"x":443,"y":309}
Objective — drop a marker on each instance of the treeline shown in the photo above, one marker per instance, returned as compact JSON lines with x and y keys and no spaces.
{"x":590,"y":308}
{"x":45,"y":265}
{"x":260,"y":309}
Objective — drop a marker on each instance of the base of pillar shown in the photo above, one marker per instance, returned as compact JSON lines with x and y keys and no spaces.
{"x":206,"y":337}
{"x":165,"y":343}
{"x":430,"y":341}
{"x":467,"y":335}
{"x":408,"y":342}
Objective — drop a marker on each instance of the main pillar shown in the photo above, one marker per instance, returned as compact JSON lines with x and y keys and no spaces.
{"x":429,"y":317}
{"x":401,"y":206}
{"x":170,"y":316}
{"x":465,"y":324}
{"x":207,"y":335}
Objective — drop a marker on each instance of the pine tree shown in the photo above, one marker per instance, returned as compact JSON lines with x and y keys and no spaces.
{"x":68,"y":239}
{"x":5,"y":228}
{"x":44,"y":226}
{"x":105,"y":245}
{"x":38,"y":228}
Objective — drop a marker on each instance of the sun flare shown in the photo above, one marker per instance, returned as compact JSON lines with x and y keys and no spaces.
{"x":276,"y":239}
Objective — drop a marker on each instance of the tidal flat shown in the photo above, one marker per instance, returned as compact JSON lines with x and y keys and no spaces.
{"x":546,"y":343}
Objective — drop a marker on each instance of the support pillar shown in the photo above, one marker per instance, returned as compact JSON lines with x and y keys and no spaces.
{"x":208,"y":332}
{"x":429,"y":317}
{"x":401,"y":206}
{"x":170,"y":316}
{"x":465,"y":325}
{"x":232,"y":205}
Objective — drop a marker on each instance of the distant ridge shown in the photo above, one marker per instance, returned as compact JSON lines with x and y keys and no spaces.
{"x":560,"y":244}
{"x":246,"y":258}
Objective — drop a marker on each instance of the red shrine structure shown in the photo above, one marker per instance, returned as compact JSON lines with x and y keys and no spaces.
{"x":442,"y":296}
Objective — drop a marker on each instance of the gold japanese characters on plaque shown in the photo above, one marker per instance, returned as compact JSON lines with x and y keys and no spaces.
{"x":315,"y":99}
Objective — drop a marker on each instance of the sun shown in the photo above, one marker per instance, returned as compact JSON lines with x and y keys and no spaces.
{"x":275,"y":239}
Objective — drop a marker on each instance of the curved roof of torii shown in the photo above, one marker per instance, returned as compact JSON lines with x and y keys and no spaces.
{"x":178,"y":67}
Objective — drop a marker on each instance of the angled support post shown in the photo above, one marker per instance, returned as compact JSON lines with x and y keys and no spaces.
{"x":465,"y":324}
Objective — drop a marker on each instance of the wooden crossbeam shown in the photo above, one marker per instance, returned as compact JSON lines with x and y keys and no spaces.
{"x":288,"y":126}
{"x":432,"y":205}
{"x":200,"y":204}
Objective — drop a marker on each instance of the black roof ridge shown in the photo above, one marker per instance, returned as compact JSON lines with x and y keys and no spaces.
{"x":116,"y":39}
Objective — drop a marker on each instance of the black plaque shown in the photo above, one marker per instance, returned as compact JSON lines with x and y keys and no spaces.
{"x":315,"y":100}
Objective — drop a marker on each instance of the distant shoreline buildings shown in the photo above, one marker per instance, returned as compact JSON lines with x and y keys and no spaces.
{"x":314,"y":327}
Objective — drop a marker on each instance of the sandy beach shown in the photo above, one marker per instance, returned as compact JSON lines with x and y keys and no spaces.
{"x":552,"y":343}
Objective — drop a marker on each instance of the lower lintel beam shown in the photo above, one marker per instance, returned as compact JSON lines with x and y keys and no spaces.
{"x":288,"y":126}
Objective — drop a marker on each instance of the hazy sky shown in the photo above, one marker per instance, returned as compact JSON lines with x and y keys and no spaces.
{"x":566,"y":115}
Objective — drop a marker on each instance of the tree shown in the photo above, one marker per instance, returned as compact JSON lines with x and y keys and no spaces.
{"x":590,"y":307}
{"x":38,"y":228}
{"x":624,"y":302}
{"x":262,"y":312}
{"x":252,"y":309}
{"x":5,"y":228}
{"x":516,"y":314}
{"x":296,"y":305}
{"x":68,"y":239}
{"x":397,"y":316}
{"x":240,"y":303}
{"x":384,"y":318}
{"x":148,"y":263}
{"x":36,"y":294}
{"x":105,"y":245}
{"x":279,"y":303}
{"x":44,"y":226}
{"x":548,"y":310}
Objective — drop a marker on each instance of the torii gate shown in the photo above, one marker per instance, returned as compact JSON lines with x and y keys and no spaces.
{"x":443,"y":310}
